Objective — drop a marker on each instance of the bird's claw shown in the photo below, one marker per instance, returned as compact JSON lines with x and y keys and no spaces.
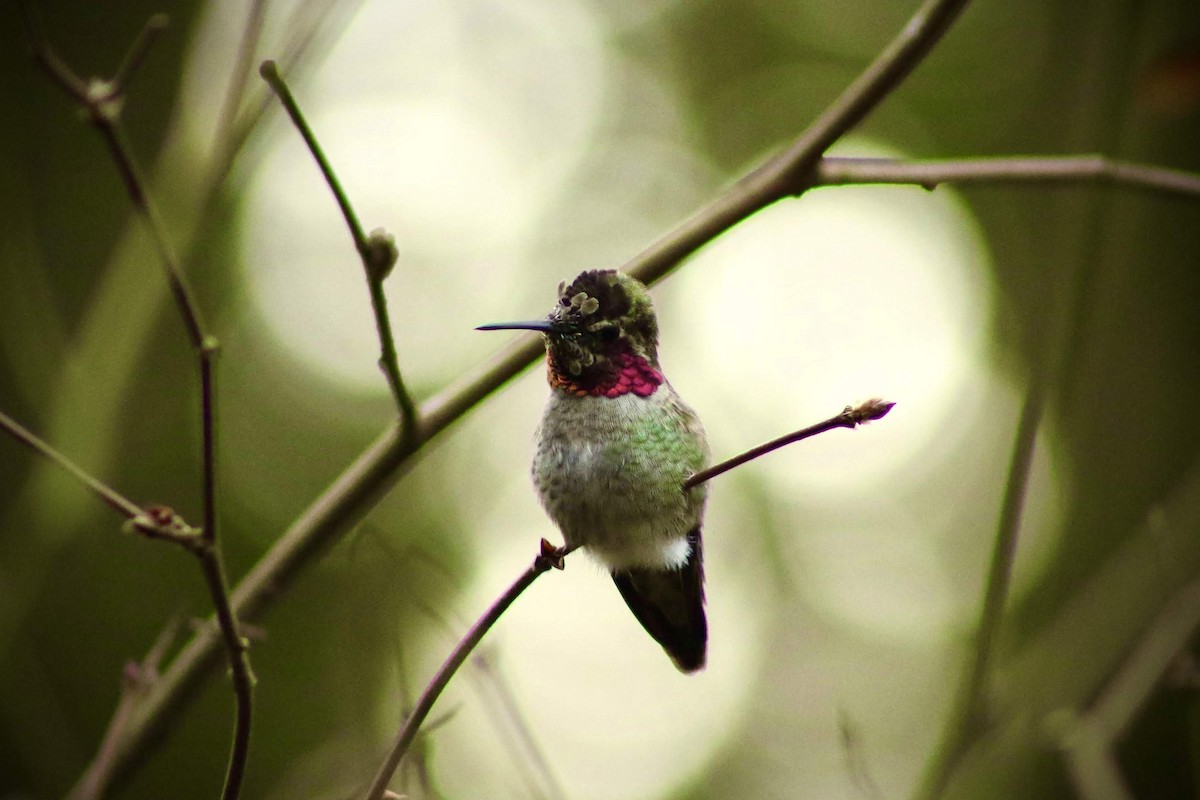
{"x":554,"y":556}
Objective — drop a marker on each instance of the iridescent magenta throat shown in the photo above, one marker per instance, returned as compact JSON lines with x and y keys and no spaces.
{"x":632,"y":374}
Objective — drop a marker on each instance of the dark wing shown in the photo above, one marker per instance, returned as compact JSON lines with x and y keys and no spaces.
{"x":670,"y":606}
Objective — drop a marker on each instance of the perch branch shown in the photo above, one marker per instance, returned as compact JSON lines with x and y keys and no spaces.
{"x":377,"y":251}
{"x":550,"y":556}
{"x":103,"y":101}
{"x":849,"y":418}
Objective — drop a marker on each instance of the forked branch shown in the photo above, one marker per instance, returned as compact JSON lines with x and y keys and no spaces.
{"x":103,"y":102}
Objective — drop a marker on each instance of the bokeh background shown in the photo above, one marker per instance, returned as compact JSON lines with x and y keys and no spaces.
{"x":509,"y":145}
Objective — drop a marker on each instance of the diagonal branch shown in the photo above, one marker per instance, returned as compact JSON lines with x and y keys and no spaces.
{"x":138,"y":675}
{"x":851,"y":417}
{"x":152,"y":522}
{"x":109,"y":496}
{"x":792,"y":172}
{"x":547,"y":557}
{"x":103,"y":101}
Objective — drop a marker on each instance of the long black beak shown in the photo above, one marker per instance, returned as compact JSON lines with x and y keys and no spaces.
{"x":542,"y":325}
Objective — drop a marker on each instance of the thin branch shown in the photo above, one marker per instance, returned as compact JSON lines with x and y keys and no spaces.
{"x":212,"y":562}
{"x":366,"y":481}
{"x":302,"y":38}
{"x":524,"y":747}
{"x":835,"y":171}
{"x":209,"y":350}
{"x":137,"y":53}
{"x":153,"y":522}
{"x":137,"y":677}
{"x":849,"y":418}
{"x":238,"y":649}
{"x":239,"y":78}
{"x":108,"y":495}
{"x":103,"y":101}
{"x":549,"y":556}
{"x":378,"y":251}
{"x":270,"y":74}
{"x":889,"y":69}
{"x":47,"y":58}
{"x":1090,"y":738}
{"x":967,"y":714}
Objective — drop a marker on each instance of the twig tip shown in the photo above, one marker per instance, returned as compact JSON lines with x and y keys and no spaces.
{"x":871,"y":410}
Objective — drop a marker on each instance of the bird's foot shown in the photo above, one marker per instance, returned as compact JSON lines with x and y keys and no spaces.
{"x":553,"y":556}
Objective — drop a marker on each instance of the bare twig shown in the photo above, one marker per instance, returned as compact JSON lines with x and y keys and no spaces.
{"x":153,"y":522}
{"x":967,"y":713}
{"x":360,"y":487}
{"x":103,"y":100}
{"x":239,"y":78}
{"x":834,"y":171}
{"x":548,"y":557}
{"x":137,"y":53}
{"x":137,"y":677}
{"x":523,"y":745}
{"x":377,"y":251}
{"x":849,"y":418}
{"x":1089,"y":739}
{"x":108,"y":495}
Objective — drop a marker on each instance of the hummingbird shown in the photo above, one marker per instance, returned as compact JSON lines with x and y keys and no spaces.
{"x":614,"y":447}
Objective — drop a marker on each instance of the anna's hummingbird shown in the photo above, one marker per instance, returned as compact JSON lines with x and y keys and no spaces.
{"x":614,"y":447}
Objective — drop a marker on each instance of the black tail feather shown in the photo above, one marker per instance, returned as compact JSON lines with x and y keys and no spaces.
{"x":670,"y":606}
